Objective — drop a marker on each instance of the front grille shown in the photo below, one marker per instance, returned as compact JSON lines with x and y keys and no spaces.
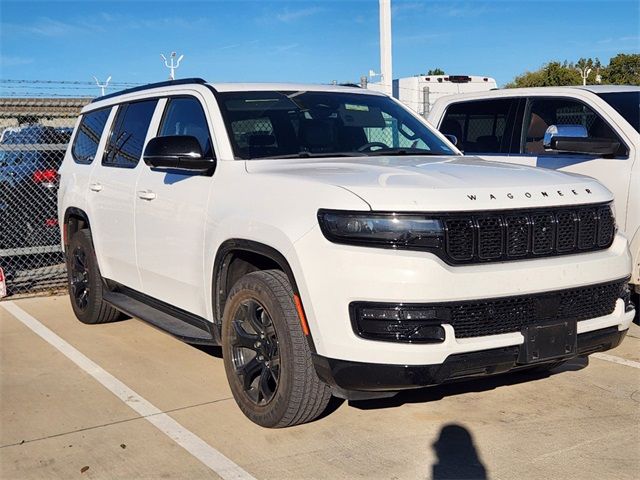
{"x":506,"y":236}
{"x":511,"y":314}
{"x":422,"y":322}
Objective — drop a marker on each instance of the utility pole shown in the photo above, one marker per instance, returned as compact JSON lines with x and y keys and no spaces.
{"x":102,"y":86}
{"x":386,"y":74}
{"x":173,"y":66}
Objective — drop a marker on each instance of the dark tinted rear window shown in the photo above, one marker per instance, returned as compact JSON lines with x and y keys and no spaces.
{"x":85,"y":144}
{"x":626,"y":104}
{"x":481,"y":126}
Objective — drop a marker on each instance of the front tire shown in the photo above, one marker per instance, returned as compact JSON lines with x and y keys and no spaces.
{"x":266,"y":355}
{"x":85,"y":282}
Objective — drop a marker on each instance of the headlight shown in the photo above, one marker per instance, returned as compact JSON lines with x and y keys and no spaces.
{"x":381,"y":229}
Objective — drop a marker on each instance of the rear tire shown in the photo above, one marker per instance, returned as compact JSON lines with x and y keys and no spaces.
{"x":85,"y":282}
{"x":266,"y":355}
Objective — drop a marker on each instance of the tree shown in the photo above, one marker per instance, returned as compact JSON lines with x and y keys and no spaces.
{"x":623,"y":69}
{"x":552,"y":74}
{"x":436,"y":71}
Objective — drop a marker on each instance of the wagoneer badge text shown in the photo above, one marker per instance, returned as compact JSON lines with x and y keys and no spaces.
{"x":559,"y":193}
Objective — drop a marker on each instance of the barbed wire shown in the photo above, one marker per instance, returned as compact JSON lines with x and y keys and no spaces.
{"x":67,"y":82}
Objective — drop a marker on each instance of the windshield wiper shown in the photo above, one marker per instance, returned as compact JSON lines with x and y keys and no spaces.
{"x":313,"y":155}
{"x":404,"y":151}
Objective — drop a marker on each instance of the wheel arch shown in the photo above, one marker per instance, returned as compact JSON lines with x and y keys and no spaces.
{"x":75,"y":219}
{"x":236,"y":257}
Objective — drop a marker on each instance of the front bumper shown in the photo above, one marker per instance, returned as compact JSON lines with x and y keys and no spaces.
{"x":330,"y":277}
{"x":357,"y":380}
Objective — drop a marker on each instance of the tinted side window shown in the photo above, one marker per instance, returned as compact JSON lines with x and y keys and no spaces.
{"x":85,"y":144}
{"x":543,"y":112}
{"x":127,"y":137}
{"x":185,"y":116}
{"x":481,"y":126}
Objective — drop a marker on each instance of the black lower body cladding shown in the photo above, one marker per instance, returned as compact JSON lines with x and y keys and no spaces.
{"x":347,"y":377}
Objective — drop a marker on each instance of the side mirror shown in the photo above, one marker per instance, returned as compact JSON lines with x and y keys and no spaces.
{"x":177,"y":152}
{"x":452,"y":138}
{"x":575,"y":139}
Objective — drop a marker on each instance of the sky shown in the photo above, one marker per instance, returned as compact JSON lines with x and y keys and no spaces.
{"x":301,"y":41}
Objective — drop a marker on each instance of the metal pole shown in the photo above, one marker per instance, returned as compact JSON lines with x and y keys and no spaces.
{"x":385,"y":46}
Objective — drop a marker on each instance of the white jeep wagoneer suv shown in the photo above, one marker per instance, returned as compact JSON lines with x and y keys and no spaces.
{"x":331,"y":242}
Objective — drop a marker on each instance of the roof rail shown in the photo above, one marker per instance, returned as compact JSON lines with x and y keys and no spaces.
{"x":168,"y":83}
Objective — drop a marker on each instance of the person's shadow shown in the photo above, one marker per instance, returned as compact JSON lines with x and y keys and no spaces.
{"x":457,"y":455}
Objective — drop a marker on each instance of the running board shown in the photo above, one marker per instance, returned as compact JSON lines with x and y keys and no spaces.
{"x":183,"y":325}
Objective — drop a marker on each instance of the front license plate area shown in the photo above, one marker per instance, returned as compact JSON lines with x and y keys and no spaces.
{"x":548,"y":341}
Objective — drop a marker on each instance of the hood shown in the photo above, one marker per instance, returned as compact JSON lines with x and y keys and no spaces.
{"x":437,"y":183}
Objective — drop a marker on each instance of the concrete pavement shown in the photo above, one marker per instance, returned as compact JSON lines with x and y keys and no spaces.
{"x":56,"y":419}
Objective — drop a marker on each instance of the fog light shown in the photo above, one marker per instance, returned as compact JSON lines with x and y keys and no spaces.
{"x":396,"y":323}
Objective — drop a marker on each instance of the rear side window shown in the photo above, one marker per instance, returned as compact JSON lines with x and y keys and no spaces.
{"x":185,"y":116}
{"x":127,"y":136}
{"x":483,"y":126}
{"x":85,"y":144}
{"x":544,"y":112}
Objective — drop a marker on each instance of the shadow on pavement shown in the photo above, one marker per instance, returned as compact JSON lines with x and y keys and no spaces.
{"x":457,"y":455}
{"x":437,"y":392}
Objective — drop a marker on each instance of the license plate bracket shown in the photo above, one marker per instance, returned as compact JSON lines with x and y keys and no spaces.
{"x":549,"y":341}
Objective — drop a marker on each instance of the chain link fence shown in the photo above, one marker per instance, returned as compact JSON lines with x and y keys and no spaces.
{"x":34,"y":133}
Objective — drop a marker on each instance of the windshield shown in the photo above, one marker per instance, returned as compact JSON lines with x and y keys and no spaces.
{"x":626,"y":104}
{"x":276,"y":124}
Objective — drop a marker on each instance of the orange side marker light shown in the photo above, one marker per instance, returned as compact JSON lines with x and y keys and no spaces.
{"x":303,"y":319}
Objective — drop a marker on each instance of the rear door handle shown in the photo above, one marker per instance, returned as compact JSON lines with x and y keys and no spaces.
{"x":146,"y":195}
{"x":95,"y":187}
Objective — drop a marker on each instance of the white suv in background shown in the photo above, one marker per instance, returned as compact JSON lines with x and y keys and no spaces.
{"x":591,"y":130}
{"x":331,"y":242}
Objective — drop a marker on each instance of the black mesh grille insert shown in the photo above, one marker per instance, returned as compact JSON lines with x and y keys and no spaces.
{"x":503,"y":236}
{"x":511,"y":314}
{"x":587,"y":228}
{"x":490,"y":237}
{"x":460,"y":238}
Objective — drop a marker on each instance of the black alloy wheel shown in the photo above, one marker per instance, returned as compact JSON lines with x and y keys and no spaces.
{"x":79,"y":281}
{"x":86,"y":286}
{"x":256,"y":357}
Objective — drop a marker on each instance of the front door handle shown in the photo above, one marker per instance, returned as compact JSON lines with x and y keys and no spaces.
{"x":95,"y":187}
{"x":146,"y":195}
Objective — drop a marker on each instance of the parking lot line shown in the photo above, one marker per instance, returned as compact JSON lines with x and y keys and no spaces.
{"x":192,"y":443}
{"x":614,"y":359}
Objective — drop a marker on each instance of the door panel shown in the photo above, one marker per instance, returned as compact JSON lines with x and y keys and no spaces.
{"x":111,"y":193}
{"x":171,"y":210}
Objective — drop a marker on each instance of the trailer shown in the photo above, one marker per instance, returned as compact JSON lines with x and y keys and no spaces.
{"x":421,"y":91}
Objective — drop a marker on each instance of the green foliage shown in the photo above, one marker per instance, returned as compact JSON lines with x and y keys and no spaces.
{"x":623,"y":69}
{"x":436,"y":71}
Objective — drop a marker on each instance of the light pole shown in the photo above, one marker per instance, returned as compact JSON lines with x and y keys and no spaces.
{"x":103,"y":86}
{"x":173,"y":65}
{"x":584,"y":73}
{"x":386,"y":75}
